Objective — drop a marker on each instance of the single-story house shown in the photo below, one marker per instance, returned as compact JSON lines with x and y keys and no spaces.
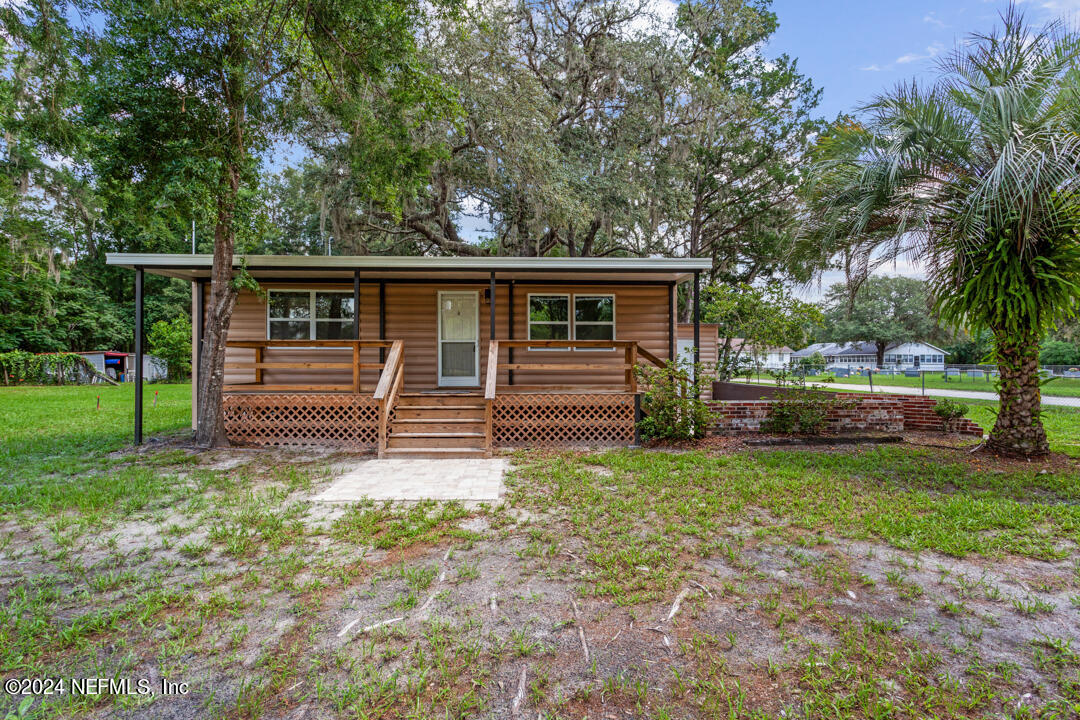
{"x":771,"y":358}
{"x":862,"y":355}
{"x":435,"y":356}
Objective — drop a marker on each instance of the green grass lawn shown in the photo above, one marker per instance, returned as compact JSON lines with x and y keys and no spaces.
{"x":52,"y":432}
{"x":1061,"y":387}
{"x":849,"y":583}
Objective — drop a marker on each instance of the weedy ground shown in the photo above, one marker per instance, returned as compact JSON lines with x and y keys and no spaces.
{"x":898,"y":582}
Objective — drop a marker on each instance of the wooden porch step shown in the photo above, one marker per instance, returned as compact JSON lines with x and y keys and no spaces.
{"x":437,"y":408}
{"x":437,"y":425}
{"x":424,"y":441}
{"x":433,"y":400}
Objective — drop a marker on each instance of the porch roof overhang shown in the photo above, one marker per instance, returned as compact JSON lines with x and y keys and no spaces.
{"x":290,"y":268}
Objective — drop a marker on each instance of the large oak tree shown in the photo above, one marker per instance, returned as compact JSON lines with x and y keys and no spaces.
{"x":184,"y":100}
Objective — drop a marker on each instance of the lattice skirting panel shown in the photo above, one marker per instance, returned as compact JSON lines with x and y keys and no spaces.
{"x":339,"y":420}
{"x":530,"y":420}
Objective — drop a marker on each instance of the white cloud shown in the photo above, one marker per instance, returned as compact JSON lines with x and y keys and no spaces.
{"x":871,"y":68}
{"x":931,"y":18}
{"x":1061,"y":6}
{"x":931,"y":52}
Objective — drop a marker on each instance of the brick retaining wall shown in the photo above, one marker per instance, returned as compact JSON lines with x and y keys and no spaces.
{"x":878,"y":412}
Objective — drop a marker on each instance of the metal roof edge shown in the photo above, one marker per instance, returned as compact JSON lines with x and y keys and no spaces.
{"x":407,"y":262}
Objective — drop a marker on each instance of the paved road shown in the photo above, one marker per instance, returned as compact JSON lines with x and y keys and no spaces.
{"x":937,"y":392}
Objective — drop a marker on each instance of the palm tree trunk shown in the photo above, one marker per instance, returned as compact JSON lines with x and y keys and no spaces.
{"x":1019,"y":429}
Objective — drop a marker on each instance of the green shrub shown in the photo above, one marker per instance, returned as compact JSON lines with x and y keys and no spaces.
{"x":671,"y":405}
{"x":795,"y":409}
{"x":19,"y":366}
{"x":950,"y":413}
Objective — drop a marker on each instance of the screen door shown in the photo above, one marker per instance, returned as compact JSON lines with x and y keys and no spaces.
{"x":459,"y":338}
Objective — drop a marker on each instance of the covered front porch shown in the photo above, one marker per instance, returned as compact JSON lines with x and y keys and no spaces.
{"x":437,"y":421}
{"x":438,"y":357}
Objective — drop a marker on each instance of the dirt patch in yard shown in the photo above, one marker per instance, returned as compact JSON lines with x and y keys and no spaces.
{"x":723,"y":582}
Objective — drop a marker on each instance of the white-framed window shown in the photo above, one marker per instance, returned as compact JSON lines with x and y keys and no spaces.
{"x":594,"y":318}
{"x":310,"y":315}
{"x":549,"y":317}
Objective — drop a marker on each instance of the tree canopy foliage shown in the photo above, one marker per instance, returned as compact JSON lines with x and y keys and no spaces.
{"x":883,"y":310}
{"x":975,"y":176}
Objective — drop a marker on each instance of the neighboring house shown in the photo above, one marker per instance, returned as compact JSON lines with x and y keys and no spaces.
{"x":396,"y":353}
{"x":772,"y":358}
{"x":826,"y":350}
{"x":863,"y":355}
{"x":121,"y":365}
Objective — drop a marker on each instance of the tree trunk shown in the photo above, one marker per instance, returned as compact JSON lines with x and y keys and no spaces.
{"x":1018,"y":430}
{"x":210,"y":429}
{"x":880,"y":353}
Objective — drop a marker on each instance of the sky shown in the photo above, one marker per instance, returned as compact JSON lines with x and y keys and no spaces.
{"x":855,"y":49}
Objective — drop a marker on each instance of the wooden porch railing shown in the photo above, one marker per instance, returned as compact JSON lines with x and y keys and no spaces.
{"x":633,"y":353}
{"x":260,"y":363}
{"x":389,"y":388}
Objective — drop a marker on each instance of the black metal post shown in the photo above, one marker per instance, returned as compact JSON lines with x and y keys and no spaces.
{"x":510,"y":328}
{"x":382,"y":319}
{"x":671,"y":321}
{"x":356,"y":303}
{"x":697,"y":325}
{"x":491,"y":291}
{"x":138,"y":354}
{"x":697,"y":317}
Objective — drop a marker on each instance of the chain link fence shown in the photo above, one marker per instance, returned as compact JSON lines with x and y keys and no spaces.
{"x":1060,"y":383}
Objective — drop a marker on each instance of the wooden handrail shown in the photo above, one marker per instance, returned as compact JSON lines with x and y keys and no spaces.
{"x":388,"y":389}
{"x":492,"y":369}
{"x":490,"y":383}
{"x":642,"y":352}
{"x":386,"y":379}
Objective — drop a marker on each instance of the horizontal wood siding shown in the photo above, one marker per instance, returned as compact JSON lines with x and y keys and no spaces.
{"x":411,"y":315}
{"x":640,"y":314}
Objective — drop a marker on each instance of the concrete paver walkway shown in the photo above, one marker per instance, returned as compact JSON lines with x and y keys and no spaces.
{"x":419,"y":479}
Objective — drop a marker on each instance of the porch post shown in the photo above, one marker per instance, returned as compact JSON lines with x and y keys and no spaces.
{"x":356,"y":303}
{"x":697,"y":319}
{"x":491,"y":335}
{"x":138,"y":354}
{"x":382,"y":318}
{"x":671,"y":321}
{"x":510,"y":328}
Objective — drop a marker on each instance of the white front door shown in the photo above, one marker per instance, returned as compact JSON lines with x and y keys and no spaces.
{"x":459,"y":338}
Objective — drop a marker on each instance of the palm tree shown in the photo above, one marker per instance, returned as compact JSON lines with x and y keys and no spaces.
{"x":975,"y":178}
